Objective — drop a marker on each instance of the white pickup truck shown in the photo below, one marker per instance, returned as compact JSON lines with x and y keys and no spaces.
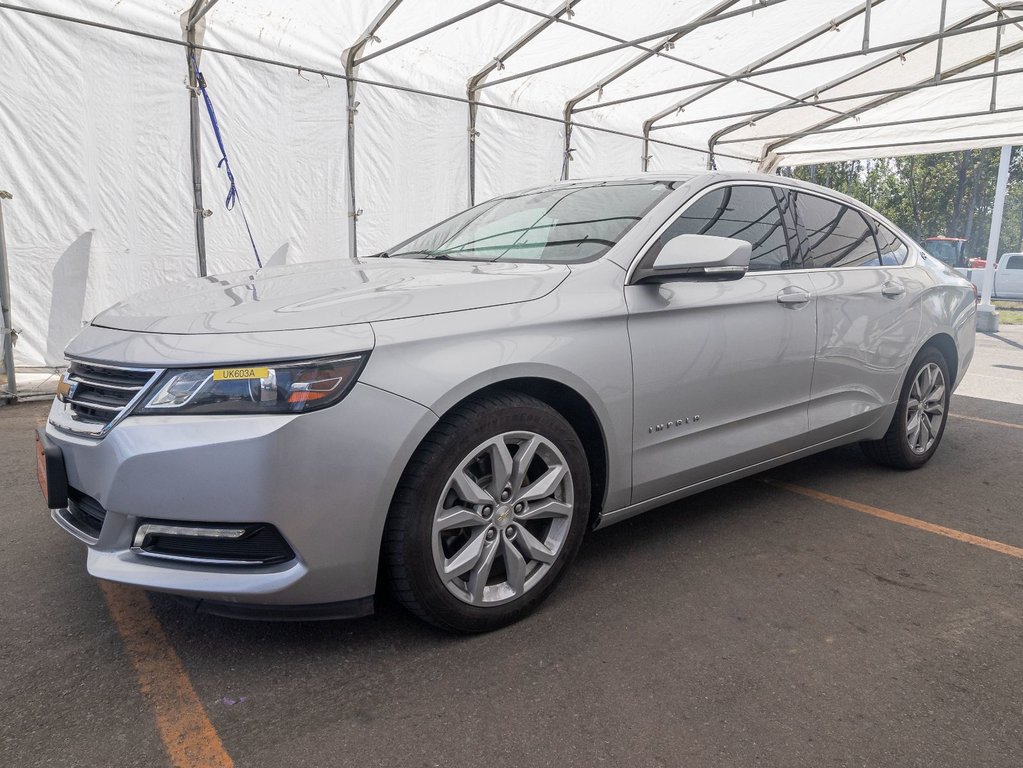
{"x":1008,"y":277}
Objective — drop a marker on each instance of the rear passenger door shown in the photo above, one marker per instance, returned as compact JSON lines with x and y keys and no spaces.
{"x":721,"y":368}
{"x":867,"y":319}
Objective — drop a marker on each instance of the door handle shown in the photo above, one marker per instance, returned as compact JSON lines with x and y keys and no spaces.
{"x":793,"y":298}
{"x":893,"y":290}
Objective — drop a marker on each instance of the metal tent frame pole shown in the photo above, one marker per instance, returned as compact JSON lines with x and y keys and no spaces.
{"x":913,"y":41}
{"x":870,"y":126}
{"x":974,"y":141}
{"x":769,"y":151}
{"x":423,"y":32}
{"x":351,"y":62}
{"x":497,"y":63}
{"x":964,"y":25}
{"x":195,"y":13}
{"x":755,"y":6}
{"x":666,"y":44}
{"x":662,"y":53}
{"x":10,"y":394}
{"x":340,"y":75}
{"x":762,"y":62}
{"x":752,"y":116}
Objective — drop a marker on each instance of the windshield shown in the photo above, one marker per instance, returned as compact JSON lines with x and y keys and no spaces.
{"x":566,"y":225}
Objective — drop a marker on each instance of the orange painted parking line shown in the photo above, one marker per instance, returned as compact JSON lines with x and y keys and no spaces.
{"x":895,"y":517}
{"x":188,"y":735}
{"x":986,"y":421}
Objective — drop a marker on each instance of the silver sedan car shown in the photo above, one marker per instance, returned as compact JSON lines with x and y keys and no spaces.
{"x":450,"y":417}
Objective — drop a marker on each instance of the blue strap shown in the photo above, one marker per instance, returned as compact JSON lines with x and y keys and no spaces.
{"x":232,"y":191}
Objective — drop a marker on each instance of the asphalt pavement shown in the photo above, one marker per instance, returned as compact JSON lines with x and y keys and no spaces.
{"x":752,"y":625}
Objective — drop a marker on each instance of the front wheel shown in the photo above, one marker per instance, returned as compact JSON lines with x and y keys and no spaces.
{"x":919,"y":420}
{"x":489,"y":513}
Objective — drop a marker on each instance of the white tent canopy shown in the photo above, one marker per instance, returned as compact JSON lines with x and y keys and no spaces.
{"x":450,"y":100}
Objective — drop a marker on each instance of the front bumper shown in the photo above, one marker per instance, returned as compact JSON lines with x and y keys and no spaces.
{"x":323,"y":479}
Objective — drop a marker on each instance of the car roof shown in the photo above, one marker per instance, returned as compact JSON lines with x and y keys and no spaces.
{"x":697,"y":181}
{"x":705,"y":178}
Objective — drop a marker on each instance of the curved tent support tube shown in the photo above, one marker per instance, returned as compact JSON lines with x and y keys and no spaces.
{"x":755,"y":6}
{"x":896,"y":45}
{"x":497,"y":63}
{"x":771,"y":149}
{"x":667,"y":43}
{"x":762,"y":62}
{"x":960,"y":27}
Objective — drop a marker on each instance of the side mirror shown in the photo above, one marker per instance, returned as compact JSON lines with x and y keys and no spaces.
{"x":699,"y":256}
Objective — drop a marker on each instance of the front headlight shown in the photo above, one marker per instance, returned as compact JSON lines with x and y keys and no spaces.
{"x":271,"y":388}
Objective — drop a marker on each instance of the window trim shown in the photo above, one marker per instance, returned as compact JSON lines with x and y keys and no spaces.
{"x":912,"y":259}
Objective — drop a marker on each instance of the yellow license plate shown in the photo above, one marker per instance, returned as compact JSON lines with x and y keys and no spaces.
{"x":235,"y":374}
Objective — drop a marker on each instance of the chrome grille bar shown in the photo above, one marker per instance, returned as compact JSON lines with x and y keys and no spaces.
{"x":94,"y":396}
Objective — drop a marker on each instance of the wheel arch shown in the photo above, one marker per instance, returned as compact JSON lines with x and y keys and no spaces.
{"x":946,"y":345}
{"x":573,"y":406}
{"x":578,"y":412}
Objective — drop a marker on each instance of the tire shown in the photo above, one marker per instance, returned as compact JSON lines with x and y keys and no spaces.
{"x":462,"y":493}
{"x":903,"y":447}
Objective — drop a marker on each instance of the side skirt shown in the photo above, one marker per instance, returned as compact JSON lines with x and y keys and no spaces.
{"x":624,"y":513}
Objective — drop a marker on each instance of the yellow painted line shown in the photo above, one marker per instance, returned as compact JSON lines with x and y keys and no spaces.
{"x":895,"y":517}
{"x":188,"y":735}
{"x":986,"y":421}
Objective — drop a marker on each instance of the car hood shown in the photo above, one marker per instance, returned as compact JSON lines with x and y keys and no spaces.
{"x":325,"y":294}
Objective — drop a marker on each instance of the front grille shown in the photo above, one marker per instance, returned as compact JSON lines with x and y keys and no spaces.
{"x":85,"y":513}
{"x":97,"y":394}
{"x":235,"y":544}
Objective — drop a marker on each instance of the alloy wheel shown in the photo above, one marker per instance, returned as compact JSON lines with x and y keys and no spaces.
{"x":503,"y":518}
{"x":925,"y":408}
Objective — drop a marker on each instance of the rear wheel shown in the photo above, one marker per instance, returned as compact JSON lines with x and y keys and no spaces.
{"x":919,"y":420}
{"x":489,"y":513}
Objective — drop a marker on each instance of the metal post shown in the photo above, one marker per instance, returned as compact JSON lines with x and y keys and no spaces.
{"x":199,"y":212}
{"x":866,"y":26}
{"x":987,"y":317}
{"x":10,"y":392}
{"x":994,"y":71}
{"x":352,"y":107}
{"x":941,"y":40}
{"x":472,"y":88}
{"x":351,"y":59}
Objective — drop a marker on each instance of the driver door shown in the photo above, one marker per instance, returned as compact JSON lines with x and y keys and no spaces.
{"x":722,"y":369}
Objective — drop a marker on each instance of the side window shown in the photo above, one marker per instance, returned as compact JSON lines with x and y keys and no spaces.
{"x":750,"y":213}
{"x":893,"y":251}
{"x":1014,"y":262}
{"x":834,"y":235}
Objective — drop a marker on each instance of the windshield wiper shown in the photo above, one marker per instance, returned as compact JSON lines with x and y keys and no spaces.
{"x":421,"y":254}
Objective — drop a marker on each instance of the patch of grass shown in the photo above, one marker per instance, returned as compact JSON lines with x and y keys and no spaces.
{"x":1009,"y":312}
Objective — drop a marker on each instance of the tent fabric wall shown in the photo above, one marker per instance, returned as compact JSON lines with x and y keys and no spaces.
{"x":94,"y":123}
{"x":94,"y":147}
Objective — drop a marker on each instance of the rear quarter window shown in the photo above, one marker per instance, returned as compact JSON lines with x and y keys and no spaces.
{"x":894,"y":252}
{"x":834,"y":235}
